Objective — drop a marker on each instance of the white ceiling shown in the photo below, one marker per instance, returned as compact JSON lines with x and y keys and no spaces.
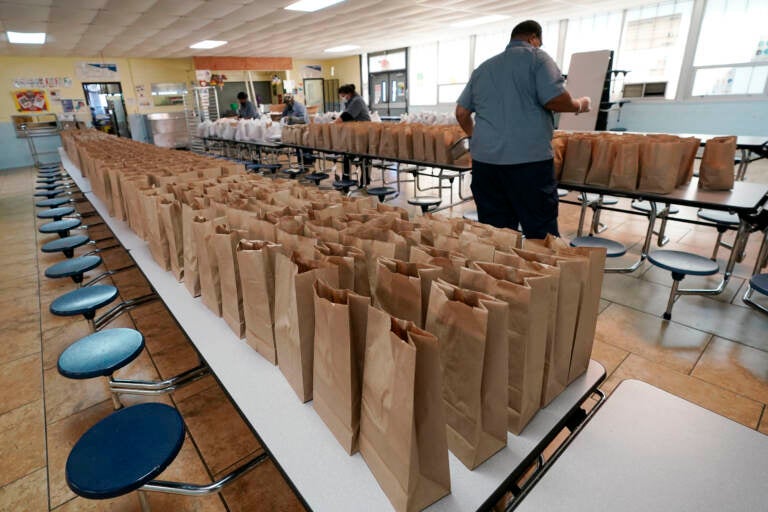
{"x":166,"y":28}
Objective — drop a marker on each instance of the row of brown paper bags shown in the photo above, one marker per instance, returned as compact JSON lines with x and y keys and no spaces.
{"x":270,"y":316}
{"x":654,"y":163}
{"x":415,"y":142}
{"x":490,"y":349}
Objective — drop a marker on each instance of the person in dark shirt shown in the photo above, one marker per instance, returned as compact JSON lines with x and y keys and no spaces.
{"x":246,"y":110}
{"x":355,"y":108}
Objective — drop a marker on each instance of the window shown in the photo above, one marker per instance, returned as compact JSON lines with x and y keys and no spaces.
{"x":422,"y":75}
{"x":452,"y":68}
{"x":489,"y":45}
{"x":653,"y":44}
{"x":598,"y":32}
{"x":386,"y":62}
{"x":453,"y":61}
{"x":738,"y":63}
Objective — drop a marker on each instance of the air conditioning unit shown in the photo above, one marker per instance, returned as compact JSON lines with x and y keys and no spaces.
{"x":645,"y":90}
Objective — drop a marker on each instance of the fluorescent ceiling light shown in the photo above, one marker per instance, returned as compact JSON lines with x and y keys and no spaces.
{"x":26,"y":37}
{"x":480,"y":21}
{"x":311,"y":5}
{"x":207,"y":45}
{"x":342,"y":49}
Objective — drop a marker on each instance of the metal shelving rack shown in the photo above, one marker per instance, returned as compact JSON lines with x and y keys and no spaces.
{"x":200,"y":104}
{"x":31,"y":127}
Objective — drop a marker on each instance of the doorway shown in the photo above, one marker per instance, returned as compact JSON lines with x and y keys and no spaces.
{"x":314,"y":93}
{"x":388,"y":93}
{"x":105,"y":99}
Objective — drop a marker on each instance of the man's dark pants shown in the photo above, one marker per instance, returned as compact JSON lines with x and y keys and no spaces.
{"x":525,"y":194}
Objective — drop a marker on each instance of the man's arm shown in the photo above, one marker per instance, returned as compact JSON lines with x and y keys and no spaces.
{"x":566,"y":103}
{"x":464,"y":116}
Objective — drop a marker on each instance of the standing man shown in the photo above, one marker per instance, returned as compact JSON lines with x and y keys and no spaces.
{"x":513,"y":96}
{"x":246,"y":110}
{"x":294,"y":112}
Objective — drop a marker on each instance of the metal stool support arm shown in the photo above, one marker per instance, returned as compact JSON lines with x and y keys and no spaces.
{"x":203,"y":490}
{"x":153,"y":387}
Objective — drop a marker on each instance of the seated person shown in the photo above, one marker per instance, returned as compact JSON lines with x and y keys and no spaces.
{"x":246,"y":110}
{"x":294,"y":112}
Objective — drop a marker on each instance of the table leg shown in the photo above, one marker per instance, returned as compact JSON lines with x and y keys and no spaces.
{"x":649,"y":232}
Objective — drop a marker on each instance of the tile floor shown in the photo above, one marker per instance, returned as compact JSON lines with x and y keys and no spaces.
{"x":714,"y":353}
{"x":44,"y":414}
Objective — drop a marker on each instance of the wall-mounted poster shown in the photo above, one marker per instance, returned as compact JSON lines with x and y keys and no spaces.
{"x":96,"y":71}
{"x":68,"y":105}
{"x":54,"y":94}
{"x":312,"y":71}
{"x":30,"y":100}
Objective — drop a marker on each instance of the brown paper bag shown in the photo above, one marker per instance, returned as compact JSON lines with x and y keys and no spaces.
{"x":191,"y":271}
{"x":405,"y":143}
{"x":402,"y":289}
{"x":578,"y":155}
{"x":685,"y":174}
{"x":659,"y":165}
{"x":224,"y":242}
{"x":625,"y":166}
{"x":402,"y":425}
{"x":716,"y":169}
{"x":589,"y":304}
{"x":419,"y":143}
{"x":295,"y":317}
{"x":451,"y":262}
{"x":341,"y":317}
{"x":529,"y":299}
{"x":156,"y":239}
{"x":362,"y":284}
{"x":572,"y":276}
{"x":558,"y":151}
{"x":210,"y":287}
{"x":256,"y":263}
{"x":602,"y":162}
{"x":374,"y":138}
{"x":170,"y":217}
{"x":388,"y":143}
{"x":471,"y":329}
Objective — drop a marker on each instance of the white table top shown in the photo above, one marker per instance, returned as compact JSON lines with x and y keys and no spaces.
{"x":327,"y":478}
{"x":647,"y":450}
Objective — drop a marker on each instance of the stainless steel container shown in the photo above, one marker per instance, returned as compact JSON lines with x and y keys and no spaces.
{"x":169,"y":129}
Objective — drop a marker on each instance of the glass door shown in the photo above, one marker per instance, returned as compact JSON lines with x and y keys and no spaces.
{"x":398,"y":102}
{"x":107,"y":106}
{"x":379,"y":92}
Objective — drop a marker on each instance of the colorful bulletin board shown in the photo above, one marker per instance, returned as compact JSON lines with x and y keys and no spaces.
{"x":30,"y":100}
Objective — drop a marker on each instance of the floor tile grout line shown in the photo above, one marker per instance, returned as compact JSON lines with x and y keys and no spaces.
{"x":760,"y":420}
{"x":698,"y":359}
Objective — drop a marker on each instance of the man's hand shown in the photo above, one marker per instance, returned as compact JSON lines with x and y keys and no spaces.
{"x":584,"y":104}
{"x":464,"y":117}
{"x":565,"y":103}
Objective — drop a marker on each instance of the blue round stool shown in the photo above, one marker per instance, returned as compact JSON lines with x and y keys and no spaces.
{"x":344,"y":185}
{"x":681,"y":264}
{"x":48,"y":193}
{"x":101,"y":354}
{"x":60,"y":227}
{"x":84,"y":301}
{"x":317,"y":177}
{"x":74,"y":268}
{"x":613,"y":249}
{"x":51,"y":186}
{"x":56,"y":213}
{"x":124,"y":451}
{"x":759,"y":283}
{"x":722,"y":220}
{"x":66,"y":245}
{"x":607,"y":200}
{"x":426,"y":203}
{"x":54,"y":202}
{"x":645,"y":206}
{"x":381,"y":192}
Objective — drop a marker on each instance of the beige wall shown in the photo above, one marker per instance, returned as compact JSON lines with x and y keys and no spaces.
{"x":132,"y":72}
{"x":345,"y":69}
